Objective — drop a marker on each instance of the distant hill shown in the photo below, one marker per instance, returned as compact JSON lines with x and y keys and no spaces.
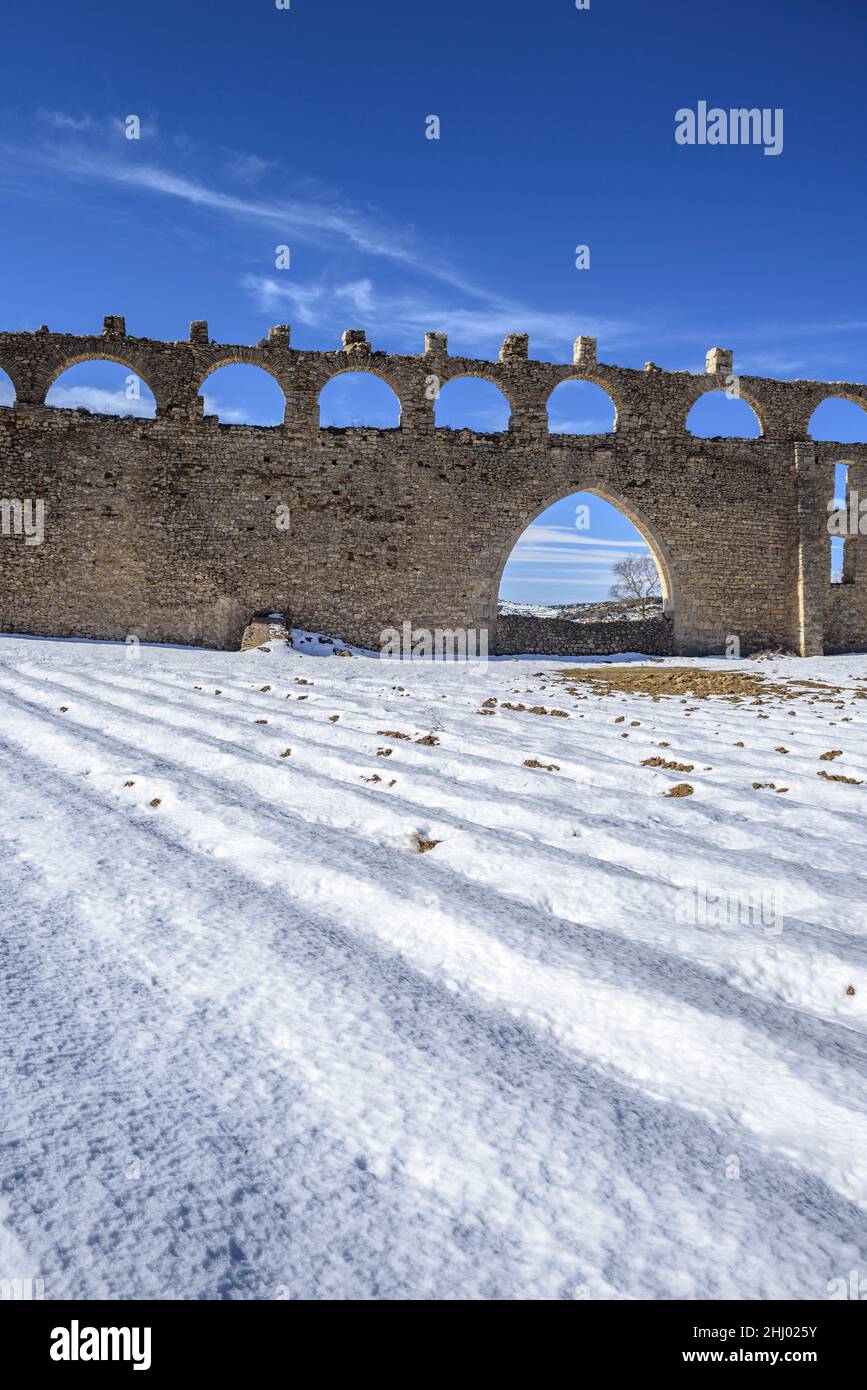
{"x":604,"y":611}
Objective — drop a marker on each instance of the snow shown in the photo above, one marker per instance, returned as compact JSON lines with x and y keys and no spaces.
{"x":528,"y":610}
{"x":256,"y":1045}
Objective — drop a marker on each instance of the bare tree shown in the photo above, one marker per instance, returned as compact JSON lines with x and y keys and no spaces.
{"x":638,"y":579}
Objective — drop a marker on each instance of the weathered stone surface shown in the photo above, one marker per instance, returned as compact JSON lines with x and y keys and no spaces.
{"x":169,"y":528}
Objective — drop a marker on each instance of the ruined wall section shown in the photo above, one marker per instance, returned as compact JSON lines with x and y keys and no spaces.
{"x":167,"y":528}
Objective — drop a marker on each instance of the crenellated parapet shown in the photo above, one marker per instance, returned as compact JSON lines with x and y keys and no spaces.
{"x":649,"y":400}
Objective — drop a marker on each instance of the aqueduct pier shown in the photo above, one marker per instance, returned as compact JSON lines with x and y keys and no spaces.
{"x":167,"y":528}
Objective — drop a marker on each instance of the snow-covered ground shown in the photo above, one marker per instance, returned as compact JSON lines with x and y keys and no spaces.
{"x":528,"y":610}
{"x":262,"y":1039}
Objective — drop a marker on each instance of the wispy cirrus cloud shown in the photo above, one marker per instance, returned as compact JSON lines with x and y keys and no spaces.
{"x":544,"y":533}
{"x":409,"y":313}
{"x":429,"y":291}
{"x":558,"y":551}
{"x":319,"y":219}
{"x":245,"y":167}
{"x":306,"y":219}
{"x":576,"y":582}
{"x":62,"y":120}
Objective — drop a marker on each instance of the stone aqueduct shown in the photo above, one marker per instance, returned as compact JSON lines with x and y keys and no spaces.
{"x":165,"y":528}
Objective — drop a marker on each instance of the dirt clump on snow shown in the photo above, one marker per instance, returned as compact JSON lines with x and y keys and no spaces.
{"x":671,"y":766}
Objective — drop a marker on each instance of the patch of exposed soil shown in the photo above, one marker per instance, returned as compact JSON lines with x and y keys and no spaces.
{"x":696,"y":682}
{"x":671,"y":766}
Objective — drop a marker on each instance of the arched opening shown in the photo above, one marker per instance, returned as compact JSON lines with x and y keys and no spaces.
{"x":723,"y":415}
{"x":844,"y":518}
{"x":472,"y":403}
{"x":240,"y":393}
{"x":102,"y":387}
{"x":839,"y":420}
{"x":358,"y":400}
{"x":589,"y":559}
{"x":580,"y":407}
{"x":7,"y":390}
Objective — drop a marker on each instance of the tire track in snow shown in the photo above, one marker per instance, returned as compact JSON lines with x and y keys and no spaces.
{"x":644,"y":1162}
{"x":675,"y":1057}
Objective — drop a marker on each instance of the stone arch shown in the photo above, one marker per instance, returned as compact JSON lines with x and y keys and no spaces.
{"x":859,"y":420}
{"x":128,"y":362}
{"x":649,"y":532}
{"x":237,"y":357}
{"x":355,"y":370}
{"x":738,"y":400}
{"x":583,"y":379}
{"x":467,"y":374}
{"x":8,"y":393}
{"x":75,"y":360}
{"x":254,"y":364}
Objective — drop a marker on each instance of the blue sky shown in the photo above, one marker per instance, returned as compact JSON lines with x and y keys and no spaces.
{"x":262,"y":127}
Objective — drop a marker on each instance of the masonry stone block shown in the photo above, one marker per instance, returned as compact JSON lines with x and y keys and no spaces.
{"x":720,"y":361}
{"x":584,"y":352}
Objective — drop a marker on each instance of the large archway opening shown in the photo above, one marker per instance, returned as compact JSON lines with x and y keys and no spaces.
{"x":587,"y":559}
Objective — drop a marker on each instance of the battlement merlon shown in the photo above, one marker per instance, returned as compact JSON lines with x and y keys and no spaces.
{"x":650,"y":400}
{"x":515,"y":349}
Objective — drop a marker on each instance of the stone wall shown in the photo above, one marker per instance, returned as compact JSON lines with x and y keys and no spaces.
{"x":559,"y":637}
{"x":169,"y":529}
